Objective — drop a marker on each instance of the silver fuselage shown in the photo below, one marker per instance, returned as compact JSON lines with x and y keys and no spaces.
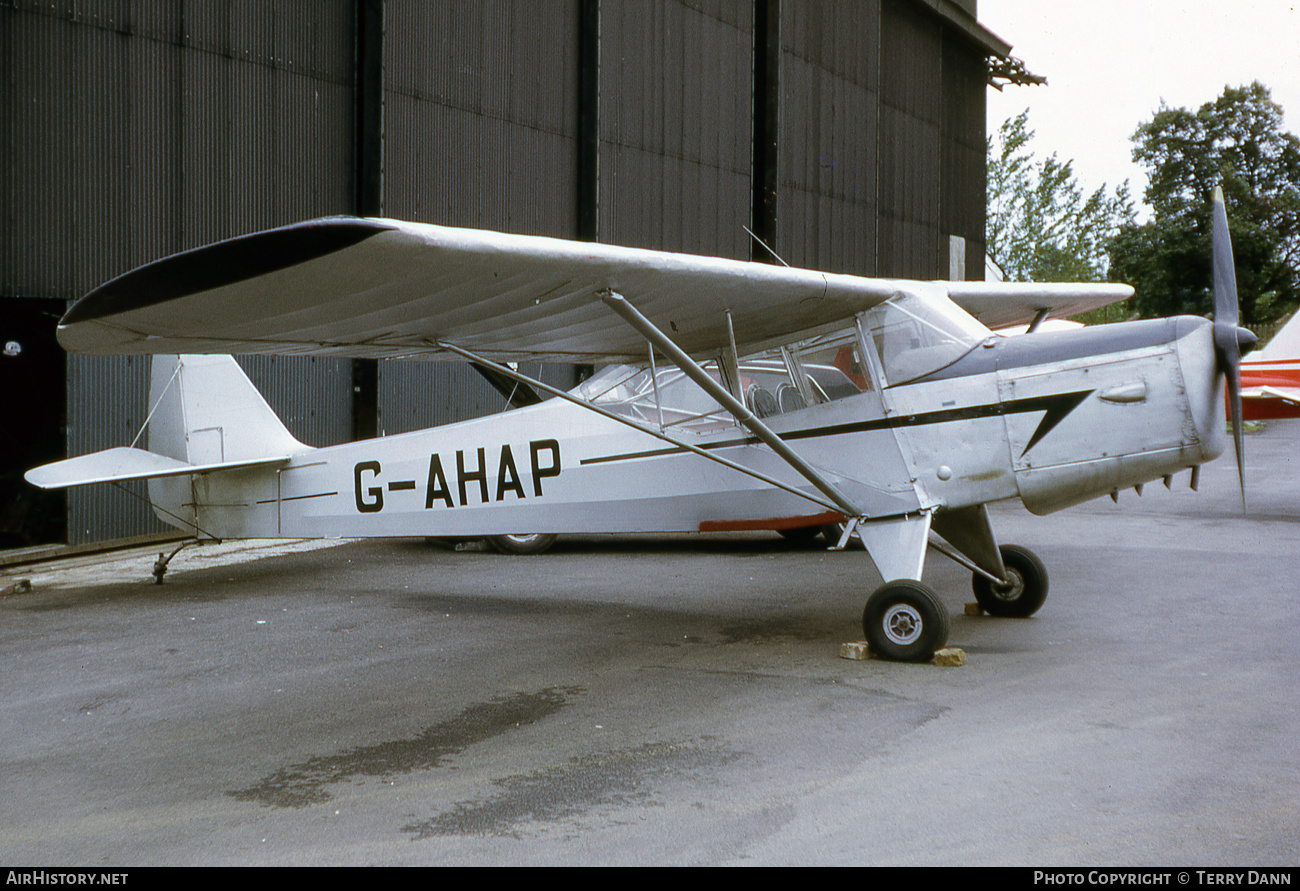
{"x":1052,"y":418}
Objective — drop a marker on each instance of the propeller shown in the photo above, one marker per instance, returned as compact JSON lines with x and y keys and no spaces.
{"x":1230,"y":340}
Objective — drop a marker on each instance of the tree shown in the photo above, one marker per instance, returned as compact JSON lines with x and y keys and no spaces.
{"x":1236,"y":141}
{"x":1041,"y":225}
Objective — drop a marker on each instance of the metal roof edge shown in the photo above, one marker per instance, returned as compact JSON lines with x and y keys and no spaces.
{"x":967,"y":25}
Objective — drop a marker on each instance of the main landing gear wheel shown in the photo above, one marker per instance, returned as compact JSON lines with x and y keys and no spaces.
{"x":536,"y":543}
{"x":803,"y":536}
{"x":1025,"y":591}
{"x":905,"y":621}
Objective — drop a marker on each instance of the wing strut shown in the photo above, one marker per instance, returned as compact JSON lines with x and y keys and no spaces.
{"x":555,"y":391}
{"x":691,"y":369}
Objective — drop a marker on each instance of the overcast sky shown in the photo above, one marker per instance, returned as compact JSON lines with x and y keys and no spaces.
{"x":1110,"y":64}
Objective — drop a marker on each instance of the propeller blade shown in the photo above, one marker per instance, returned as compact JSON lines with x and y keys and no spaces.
{"x":1229,"y":338}
{"x":1234,"y":404}
{"x":1225,"y":274}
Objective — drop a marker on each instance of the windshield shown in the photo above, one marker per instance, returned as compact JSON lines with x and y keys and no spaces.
{"x":915,"y":336}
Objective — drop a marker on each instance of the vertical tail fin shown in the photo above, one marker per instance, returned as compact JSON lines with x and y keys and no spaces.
{"x":205,"y":417}
{"x":204,"y":410}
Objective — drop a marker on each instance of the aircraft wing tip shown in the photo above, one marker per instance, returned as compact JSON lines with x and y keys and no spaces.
{"x":223,"y":263}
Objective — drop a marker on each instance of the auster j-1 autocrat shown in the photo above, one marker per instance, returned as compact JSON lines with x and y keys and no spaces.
{"x":734,"y":396}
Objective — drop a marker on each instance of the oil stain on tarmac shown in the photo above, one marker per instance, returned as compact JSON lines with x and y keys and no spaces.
{"x":304,"y":784}
{"x":603,"y":779}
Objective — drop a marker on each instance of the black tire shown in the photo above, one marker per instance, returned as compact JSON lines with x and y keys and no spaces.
{"x":534,"y":543}
{"x":1027,"y":591}
{"x":905,"y":621}
{"x":804,"y":536}
{"x":445,"y":541}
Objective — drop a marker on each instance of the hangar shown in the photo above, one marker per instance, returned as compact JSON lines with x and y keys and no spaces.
{"x":848,"y":137}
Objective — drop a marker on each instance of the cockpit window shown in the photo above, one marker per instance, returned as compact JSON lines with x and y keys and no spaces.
{"x":835,"y":366}
{"x":668,"y":397}
{"x":673,"y":400}
{"x":914,"y":337}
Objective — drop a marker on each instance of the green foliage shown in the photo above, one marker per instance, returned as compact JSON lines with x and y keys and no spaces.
{"x":1105,"y":315}
{"x":1042,"y":226}
{"x":1236,"y":141}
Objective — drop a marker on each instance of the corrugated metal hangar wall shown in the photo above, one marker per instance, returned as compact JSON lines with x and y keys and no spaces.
{"x":850,"y":136}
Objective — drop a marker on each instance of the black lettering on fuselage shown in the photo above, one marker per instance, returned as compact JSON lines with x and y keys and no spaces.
{"x":376,"y":493}
{"x":544,"y":462}
{"x":508,"y":476}
{"x":536,"y":447}
{"x":462,"y":477}
{"x":437,"y":484}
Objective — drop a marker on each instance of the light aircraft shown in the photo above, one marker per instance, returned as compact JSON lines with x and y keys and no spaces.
{"x":738,"y":396}
{"x":1270,"y":380}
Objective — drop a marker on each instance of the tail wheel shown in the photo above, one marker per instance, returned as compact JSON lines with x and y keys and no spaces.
{"x":1026,"y":587}
{"x":904,"y":620}
{"x":534,"y":543}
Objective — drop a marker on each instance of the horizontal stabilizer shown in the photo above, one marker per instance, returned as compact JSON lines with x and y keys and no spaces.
{"x":122,"y":464}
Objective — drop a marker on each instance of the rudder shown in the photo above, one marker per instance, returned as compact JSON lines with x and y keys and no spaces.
{"x":204,"y":410}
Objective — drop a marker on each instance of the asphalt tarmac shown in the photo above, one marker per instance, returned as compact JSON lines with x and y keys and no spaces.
{"x":671,"y":700}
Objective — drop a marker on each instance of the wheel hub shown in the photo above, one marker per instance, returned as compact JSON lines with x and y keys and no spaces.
{"x":1011,"y":591}
{"x":524,"y":539}
{"x":902,"y":624}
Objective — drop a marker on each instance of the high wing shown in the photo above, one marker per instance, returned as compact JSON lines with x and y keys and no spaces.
{"x":1006,"y":304}
{"x":373,"y":288}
